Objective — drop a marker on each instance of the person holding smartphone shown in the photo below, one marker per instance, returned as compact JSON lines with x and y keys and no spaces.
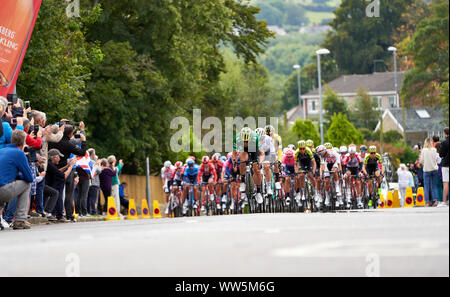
{"x":5,"y":138}
{"x":67,"y":148}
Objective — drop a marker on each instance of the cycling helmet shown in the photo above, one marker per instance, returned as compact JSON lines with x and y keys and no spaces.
{"x":335,"y":149}
{"x":301,"y":144}
{"x":246,"y":133}
{"x":372,"y":149}
{"x":167,"y":164}
{"x":179,"y":164}
{"x":363,"y":148}
{"x":321,"y":150}
{"x":261,"y":132}
{"x":352,"y":149}
{"x":190,"y":162}
{"x":192,"y":158}
{"x":309,"y":143}
{"x":218,"y":155}
{"x":205,"y":160}
{"x":223,"y":159}
{"x":328,"y":146}
{"x":289,"y":154}
{"x":343,"y":149}
{"x":270,"y":130}
{"x":291,"y":146}
{"x":229,"y":155}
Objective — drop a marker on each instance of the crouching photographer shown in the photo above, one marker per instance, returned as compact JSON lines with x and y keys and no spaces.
{"x":16,"y":178}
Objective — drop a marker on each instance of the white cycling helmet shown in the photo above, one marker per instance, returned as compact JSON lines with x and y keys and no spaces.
{"x":291,"y":146}
{"x":352,"y":149}
{"x":167,"y":164}
{"x":335,"y":149}
{"x":261,"y":132}
{"x":321,"y":150}
{"x":343,"y":149}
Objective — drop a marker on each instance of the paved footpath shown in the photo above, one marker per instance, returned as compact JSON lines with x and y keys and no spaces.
{"x":393,"y":242}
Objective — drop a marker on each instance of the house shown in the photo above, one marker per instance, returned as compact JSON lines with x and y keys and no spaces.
{"x":420,"y":123}
{"x":379,"y":85}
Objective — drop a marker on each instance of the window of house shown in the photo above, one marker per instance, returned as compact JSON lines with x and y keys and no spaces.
{"x":423,"y":114}
{"x":313,"y":105}
{"x":392,"y":101}
{"x":378,"y":101}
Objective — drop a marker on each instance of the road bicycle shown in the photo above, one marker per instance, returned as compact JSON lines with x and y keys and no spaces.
{"x":192,"y":208}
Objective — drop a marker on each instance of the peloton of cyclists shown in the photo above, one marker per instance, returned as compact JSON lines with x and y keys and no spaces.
{"x":260,"y":149}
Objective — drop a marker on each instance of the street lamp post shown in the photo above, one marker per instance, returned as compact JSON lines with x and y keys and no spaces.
{"x":397,"y":100}
{"x":394,"y":53}
{"x":322,"y":51}
{"x":298,"y":67}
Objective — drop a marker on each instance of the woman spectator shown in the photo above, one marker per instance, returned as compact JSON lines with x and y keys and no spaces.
{"x":106,"y":180}
{"x":430,"y":159}
{"x":405,"y":180}
{"x":439,"y":185}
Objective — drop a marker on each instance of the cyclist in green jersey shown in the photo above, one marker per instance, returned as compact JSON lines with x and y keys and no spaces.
{"x":247,"y":144}
{"x":372,"y":165}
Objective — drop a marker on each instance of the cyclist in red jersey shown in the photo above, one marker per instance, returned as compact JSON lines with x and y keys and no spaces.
{"x":218,"y":166}
{"x":206,"y":175}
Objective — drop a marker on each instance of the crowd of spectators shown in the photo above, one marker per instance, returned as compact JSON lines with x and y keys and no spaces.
{"x":40,"y":173}
{"x":430,"y":171}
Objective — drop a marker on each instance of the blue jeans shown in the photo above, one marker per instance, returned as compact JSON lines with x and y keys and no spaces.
{"x":40,"y":196}
{"x":58,"y":211}
{"x":430,"y":180}
{"x":92,"y":199}
{"x":10,"y":211}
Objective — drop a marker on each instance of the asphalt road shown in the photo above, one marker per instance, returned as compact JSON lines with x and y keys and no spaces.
{"x":396,"y":242}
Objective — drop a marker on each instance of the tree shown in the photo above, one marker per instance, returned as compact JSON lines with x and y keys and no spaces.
{"x":365,"y":113}
{"x":445,"y":100}
{"x":305,"y":129}
{"x":169,"y":61}
{"x":332,"y":104}
{"x":428,"y":47}
{"x":357,"y":40}
{"x":342,"y":132}
{"x":59,"y":61}
{"x":289,"y":98}
{"x":124,"y":94}
{"x":245,"y":89}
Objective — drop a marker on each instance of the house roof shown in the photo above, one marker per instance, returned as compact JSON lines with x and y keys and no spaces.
{"x":377,"y":82}
{"x":414,"y":120}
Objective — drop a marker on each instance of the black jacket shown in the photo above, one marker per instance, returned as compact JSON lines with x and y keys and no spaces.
{"x":444,"y":153}
{"x":66,"y":148}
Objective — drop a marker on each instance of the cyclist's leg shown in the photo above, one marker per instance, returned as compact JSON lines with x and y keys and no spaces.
{"x":268,"y":177}
{"x":242,"y":164}
{"x":287,"y":185}
{"x":258,"y":179}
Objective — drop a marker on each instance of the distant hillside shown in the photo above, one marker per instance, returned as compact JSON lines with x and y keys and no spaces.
{"x":296,"y":13}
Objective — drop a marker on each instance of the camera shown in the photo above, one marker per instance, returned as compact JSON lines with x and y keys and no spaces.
{"x":13,"y":121}
{"x":27,"y":104}
{"x":32,"y":157}
{"x":12,"y":98}
{"x":77,"y":136}
{"x":33,"y":128}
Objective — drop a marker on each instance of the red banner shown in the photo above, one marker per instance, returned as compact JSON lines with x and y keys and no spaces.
{"x":17,"y":19}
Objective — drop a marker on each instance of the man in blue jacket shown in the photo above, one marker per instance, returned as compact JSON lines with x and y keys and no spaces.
{"x":16,"y":178}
